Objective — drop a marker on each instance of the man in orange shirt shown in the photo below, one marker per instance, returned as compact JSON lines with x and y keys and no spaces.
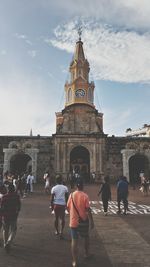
{"x":79,"y":207}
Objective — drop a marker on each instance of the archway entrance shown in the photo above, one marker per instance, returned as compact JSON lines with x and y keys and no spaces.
{"x":137,"y":163}
{"x":80,"y":162}
{"x":20,"y":163}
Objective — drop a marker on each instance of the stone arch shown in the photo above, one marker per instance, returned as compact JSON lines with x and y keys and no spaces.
{"x":127,"y":154}
{"x":80,"y":161}
{"x":28,"y":154}
{"x":138,"y":163}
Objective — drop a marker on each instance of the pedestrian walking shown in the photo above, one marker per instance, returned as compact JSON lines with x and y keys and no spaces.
{"x":10,"y":207}
{"x":80,"y":219}
{"x":19,"y":186}
{"x":144,"y":185}
{"x":59,"y":197}
{"x":105,"y":192}
{"x":30,"y":181}
{"x":3,"y":191}
{"x":71,"y":180}
{"x":93,"y":177}
{"x":122,"y":194}
{"x":1,"y":179}
{"x":46,"y":178}
{"x":24,"y":183}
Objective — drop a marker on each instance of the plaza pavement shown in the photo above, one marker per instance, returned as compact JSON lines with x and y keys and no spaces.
{"x":117,"y":240}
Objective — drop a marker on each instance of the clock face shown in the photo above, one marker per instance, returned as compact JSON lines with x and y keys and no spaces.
{"x":80,"y":93}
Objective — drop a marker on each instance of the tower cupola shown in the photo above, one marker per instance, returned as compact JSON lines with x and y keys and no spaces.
{"x":78,"y":89}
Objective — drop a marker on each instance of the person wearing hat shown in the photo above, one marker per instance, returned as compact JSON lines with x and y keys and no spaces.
{"x":10,"y":207}
{"x":79,"y":210}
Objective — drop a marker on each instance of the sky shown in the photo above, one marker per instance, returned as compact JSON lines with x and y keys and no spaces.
{"x":37,"y":42}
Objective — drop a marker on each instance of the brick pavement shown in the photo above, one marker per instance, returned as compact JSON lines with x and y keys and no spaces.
{"x":126,"y":239}
{"x":117,"y":241}
{"x":124,"y":245}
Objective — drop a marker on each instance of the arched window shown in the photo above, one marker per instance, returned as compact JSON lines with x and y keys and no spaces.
{"x":90,"y":95}
{"x":79,"y":73}
{"x":72,"y":76}
{"x":69,"y":95}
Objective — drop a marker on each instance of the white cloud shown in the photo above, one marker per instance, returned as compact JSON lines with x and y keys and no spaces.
{"x":20,"y":36}
{"x":32,"y":53}
{"x":115,"y":55}
{"x":124,"y":13}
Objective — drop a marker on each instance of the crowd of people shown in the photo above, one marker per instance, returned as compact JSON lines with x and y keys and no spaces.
{"x":74,"y":176}
{"x":23,"y":183}
{"x":76,"y":202}
{"x":12,"y":189}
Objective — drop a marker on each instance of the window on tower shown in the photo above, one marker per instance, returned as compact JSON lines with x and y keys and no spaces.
{"x":90,"y":95}
{"x":79,"y":73}
{"x":72,"y":76}
{"x":69,"y":95}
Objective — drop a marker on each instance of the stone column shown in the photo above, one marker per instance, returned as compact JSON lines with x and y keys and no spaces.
{"x":93,"y":157}
{"x":57,"y":157}
{"x":126,"y":155}
{"x":8,"y":153}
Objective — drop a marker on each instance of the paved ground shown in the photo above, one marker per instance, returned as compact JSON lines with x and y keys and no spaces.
{"x":118,"y":241}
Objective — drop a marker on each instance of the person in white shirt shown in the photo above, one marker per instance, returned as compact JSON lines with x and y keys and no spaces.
{"x":30,"y":182}
{"x":59,"y":197}
{"x":47,"y":182}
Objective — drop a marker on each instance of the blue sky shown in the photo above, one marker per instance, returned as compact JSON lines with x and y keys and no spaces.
{"x":37,"y":41}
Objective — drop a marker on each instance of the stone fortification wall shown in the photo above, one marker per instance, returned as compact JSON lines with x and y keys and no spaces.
{"x":23,"y":144}
{"x":114,"y":148}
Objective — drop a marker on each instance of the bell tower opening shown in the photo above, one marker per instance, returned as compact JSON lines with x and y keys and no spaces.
{"x":80,"y":162}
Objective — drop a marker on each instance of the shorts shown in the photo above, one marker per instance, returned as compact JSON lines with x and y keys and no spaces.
{"x":82,"y":231}
{"x":59,"y":210}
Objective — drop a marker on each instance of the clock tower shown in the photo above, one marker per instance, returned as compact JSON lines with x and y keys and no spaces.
{"x":79,"y":115}
{"x":79,"y":139}
{"x":79,"y":89}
